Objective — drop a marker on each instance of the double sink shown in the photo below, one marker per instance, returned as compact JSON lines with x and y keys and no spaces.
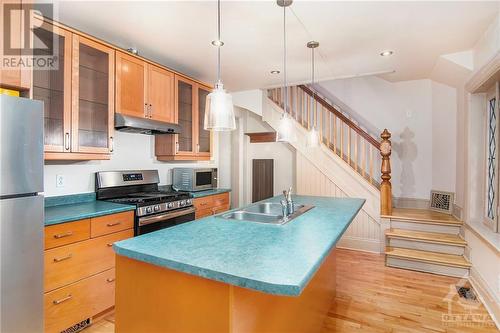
{"x":266,"y":212}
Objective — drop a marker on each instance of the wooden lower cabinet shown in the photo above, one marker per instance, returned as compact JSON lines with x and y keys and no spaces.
{"x":211,"y":205}
{"x":74,"y":303}
{"x":79,"y":268}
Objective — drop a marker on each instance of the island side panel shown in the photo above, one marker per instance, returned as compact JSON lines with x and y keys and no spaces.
{"x":253,"y":311}
{"x":155,"y":299}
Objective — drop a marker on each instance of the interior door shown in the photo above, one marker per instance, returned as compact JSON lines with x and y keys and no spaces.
{"x":204,"y":137}
{"x":161,"y":94}
{"x":185,"y":101}
{"x":130,"y":85}
{"x":262,"y":179}
{"x":92,"y":94}
{"x":53,"y":86}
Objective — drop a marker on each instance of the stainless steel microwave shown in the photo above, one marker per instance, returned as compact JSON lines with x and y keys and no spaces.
{"x":194,"y":179}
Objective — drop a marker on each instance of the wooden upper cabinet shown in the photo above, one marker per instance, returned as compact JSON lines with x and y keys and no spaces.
{"x":17,"y":78}
{"x":92,"y":97}
{"x":78,"y":95}
{"x":53,"y":87}
{"x":160,"y":94}
{"x":193,"y":143}
{"x":130,"y":85}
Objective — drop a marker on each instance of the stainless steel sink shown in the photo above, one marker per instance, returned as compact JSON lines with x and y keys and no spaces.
{"x":266,"y":212}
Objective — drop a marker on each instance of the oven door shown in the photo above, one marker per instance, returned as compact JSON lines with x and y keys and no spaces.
{"x":152,"y":223}
{"x":204,"y":179}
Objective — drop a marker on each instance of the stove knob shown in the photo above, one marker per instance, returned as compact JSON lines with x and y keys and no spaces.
{"x":182,"y":203}
{"x":188,"y":201}
{"x":157,"y":208}
{"x":170,"y":205}
{"x":149,"y":210}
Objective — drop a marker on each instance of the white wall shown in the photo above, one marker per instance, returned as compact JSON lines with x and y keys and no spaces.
{"x":132,"y":151}
{"x":414,"y":112}
{"x":488,"y":45}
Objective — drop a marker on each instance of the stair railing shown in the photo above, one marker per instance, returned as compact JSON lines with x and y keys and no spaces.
{"x":343,"y":136}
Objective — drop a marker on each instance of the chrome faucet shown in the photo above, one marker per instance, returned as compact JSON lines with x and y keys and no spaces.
{"x":287,"y":204}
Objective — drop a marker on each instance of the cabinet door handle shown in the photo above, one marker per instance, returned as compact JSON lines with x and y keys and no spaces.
{"x":150,"y":110}
{"x":69,"y":256}
{"x":197,"y":147}
{"x":59,"y":301}
{"x":111,"y":144}
{"x":177,"y":147}
{"x":67,"y":234}
{"x":113,"y":224}
{"x":146,"y":110}
{"x":110,"y":279}
{"x":109,"y":244}
{"x":66,"y":141}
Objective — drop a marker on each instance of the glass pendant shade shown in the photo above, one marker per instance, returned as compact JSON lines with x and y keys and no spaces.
{"x":219,"y":111}
{"x":286,"y":131}
{"x":313,"y":138}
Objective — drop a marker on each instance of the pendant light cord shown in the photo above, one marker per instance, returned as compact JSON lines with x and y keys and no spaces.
{"x":284,"y":59}
{"x":313,"y":91}
{"x":219,"y":40}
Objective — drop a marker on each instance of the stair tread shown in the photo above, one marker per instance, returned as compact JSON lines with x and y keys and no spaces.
{"x":422,"y":215}
{"x":434,"y":237}
{"x":427,"y":256}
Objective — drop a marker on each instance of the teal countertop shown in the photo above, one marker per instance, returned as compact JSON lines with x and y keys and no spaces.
{"x":276,"y":259}
{"x":79,"y":206}
{"x":206,"y":193}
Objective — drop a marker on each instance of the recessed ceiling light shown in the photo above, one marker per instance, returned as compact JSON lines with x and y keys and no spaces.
{"x":386,"y":53}
{"x":217,"y":43}
{"x":275,"y":72}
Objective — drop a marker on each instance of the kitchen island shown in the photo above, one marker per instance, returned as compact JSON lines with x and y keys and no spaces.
{"x":218,"y":275}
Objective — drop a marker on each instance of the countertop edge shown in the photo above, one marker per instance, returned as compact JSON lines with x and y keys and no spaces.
{"x":89,"y":215}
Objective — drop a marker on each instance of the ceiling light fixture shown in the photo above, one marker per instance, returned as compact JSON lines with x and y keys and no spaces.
{"x":219,"y":110}
{"x":275,"y":72}
{"x":386,"y":53}
{"x":313,"y":135}
{"x":285,"y":131}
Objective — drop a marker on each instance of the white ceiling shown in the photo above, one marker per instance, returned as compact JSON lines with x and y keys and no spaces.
{"x":351,"y":35}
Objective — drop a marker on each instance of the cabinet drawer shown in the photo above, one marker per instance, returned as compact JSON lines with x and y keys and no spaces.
{"x":220,"y":199}
{"x":220,"y":209}
{"x":203,"y":202}
{"x":70,"y":263}
{"x":66,"y":233}
{"x":203,"y":213}
{"x":69,"y":305}
{"x":111,"y":223}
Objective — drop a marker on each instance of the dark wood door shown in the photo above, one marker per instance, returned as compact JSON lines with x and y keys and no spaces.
{"x":262,"y":179}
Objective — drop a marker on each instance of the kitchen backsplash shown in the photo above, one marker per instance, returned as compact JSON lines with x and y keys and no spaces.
{"x":132,"y":151}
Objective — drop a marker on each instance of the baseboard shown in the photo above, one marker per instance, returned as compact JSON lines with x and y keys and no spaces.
{"x":359,"y":244}
{"x":486,"y":295}
{"x":400,"y":202}
{"x":457,"y":211}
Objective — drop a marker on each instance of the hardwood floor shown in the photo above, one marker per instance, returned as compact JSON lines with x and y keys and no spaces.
{"x":373,"y":298}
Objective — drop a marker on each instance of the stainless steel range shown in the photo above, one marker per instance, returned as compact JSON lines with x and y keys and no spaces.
{"x":155,"y":209}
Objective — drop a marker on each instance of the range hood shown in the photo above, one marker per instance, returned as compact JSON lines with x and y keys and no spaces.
{"x":144,"y":126}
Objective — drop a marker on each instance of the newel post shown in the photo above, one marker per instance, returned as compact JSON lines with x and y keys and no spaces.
{"x":386,"y":187}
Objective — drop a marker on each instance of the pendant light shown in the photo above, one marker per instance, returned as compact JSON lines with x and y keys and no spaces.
{"x":219,"y":111}
{"x":286,"y":131}
{"x":313,"y":135}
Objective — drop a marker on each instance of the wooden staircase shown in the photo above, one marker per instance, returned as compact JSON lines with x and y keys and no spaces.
{"x":426,"y":241}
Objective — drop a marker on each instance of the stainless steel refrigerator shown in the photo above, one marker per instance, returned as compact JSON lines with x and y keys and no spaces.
{"x":21,"y":212}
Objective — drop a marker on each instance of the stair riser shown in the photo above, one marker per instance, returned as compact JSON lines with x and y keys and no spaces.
{"x":427,"y":267}
{"x":426,"y":246}
{"x":441,"y":228}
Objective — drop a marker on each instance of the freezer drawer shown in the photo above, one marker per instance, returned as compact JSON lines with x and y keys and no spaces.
{"x":21,"y":271}
{"x":21,"y":146}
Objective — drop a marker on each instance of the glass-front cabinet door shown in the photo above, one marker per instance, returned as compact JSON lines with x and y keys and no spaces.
{"x":203,"y":145}
{"x":53,"y":85}
{"x":92,"y":97}
{"x":185,"y":102}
